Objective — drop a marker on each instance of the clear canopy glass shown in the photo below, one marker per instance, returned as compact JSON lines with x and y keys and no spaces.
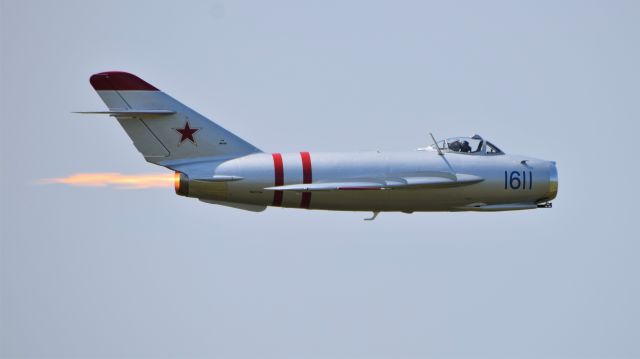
{"x":475,"y":145}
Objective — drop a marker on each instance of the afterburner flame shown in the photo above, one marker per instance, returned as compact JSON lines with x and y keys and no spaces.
{"x":116,"y":180}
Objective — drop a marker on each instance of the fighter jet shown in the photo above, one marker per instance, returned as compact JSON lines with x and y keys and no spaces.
{"x":218,"y":167}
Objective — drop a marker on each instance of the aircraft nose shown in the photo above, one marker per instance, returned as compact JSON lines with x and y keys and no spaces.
{"x":553,"y":181}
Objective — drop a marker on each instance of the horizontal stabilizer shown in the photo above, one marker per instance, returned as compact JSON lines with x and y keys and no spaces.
{"x":382,"y":184}
{"x":220,"y":178}
{"x":128,"y":112}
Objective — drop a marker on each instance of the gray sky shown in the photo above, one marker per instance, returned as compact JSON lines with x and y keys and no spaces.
{"x":105,"y":273}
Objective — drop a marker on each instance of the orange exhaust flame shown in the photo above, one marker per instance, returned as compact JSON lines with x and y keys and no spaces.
{"x":116,"y":180}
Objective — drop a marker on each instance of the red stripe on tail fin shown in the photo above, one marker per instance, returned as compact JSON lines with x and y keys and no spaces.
{"x":119,"y":81}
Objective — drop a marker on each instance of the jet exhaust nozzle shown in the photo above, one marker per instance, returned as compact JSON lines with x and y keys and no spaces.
{"x":200,"y":188}
{"x":181,"y":184}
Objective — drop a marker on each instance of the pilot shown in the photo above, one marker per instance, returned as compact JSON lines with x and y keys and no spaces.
{"x":465,"y":147}
{"x":455,"y":146}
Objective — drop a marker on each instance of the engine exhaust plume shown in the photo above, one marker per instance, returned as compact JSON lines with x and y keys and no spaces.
{"x":116,"y":180}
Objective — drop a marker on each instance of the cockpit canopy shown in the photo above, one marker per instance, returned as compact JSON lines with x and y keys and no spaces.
{"x":475,"y":145}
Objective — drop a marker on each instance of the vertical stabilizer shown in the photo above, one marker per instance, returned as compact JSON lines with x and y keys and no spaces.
{"x":163,"y":129}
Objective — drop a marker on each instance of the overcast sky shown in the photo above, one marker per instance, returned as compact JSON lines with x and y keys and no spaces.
{"x":108,"y":273}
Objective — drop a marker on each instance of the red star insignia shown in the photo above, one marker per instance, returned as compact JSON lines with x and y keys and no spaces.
{"x":187,"y":132}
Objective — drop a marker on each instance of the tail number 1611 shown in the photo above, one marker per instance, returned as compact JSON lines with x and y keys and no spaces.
{"x":518,"y":180}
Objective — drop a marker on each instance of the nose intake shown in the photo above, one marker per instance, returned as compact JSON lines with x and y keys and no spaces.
{"x":553,"y":181}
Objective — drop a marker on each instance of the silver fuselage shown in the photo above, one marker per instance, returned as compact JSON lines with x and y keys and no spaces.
{"x":508,"y":181}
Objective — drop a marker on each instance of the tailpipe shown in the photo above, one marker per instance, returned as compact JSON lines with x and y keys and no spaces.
{"x":181,"y":184}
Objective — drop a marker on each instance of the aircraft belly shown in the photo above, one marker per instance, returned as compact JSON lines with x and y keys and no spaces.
{"x":385,"y":200}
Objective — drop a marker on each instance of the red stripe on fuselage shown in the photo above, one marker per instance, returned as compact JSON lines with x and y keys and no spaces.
{"x":307,"y":177}
{"x":278,"y":169}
